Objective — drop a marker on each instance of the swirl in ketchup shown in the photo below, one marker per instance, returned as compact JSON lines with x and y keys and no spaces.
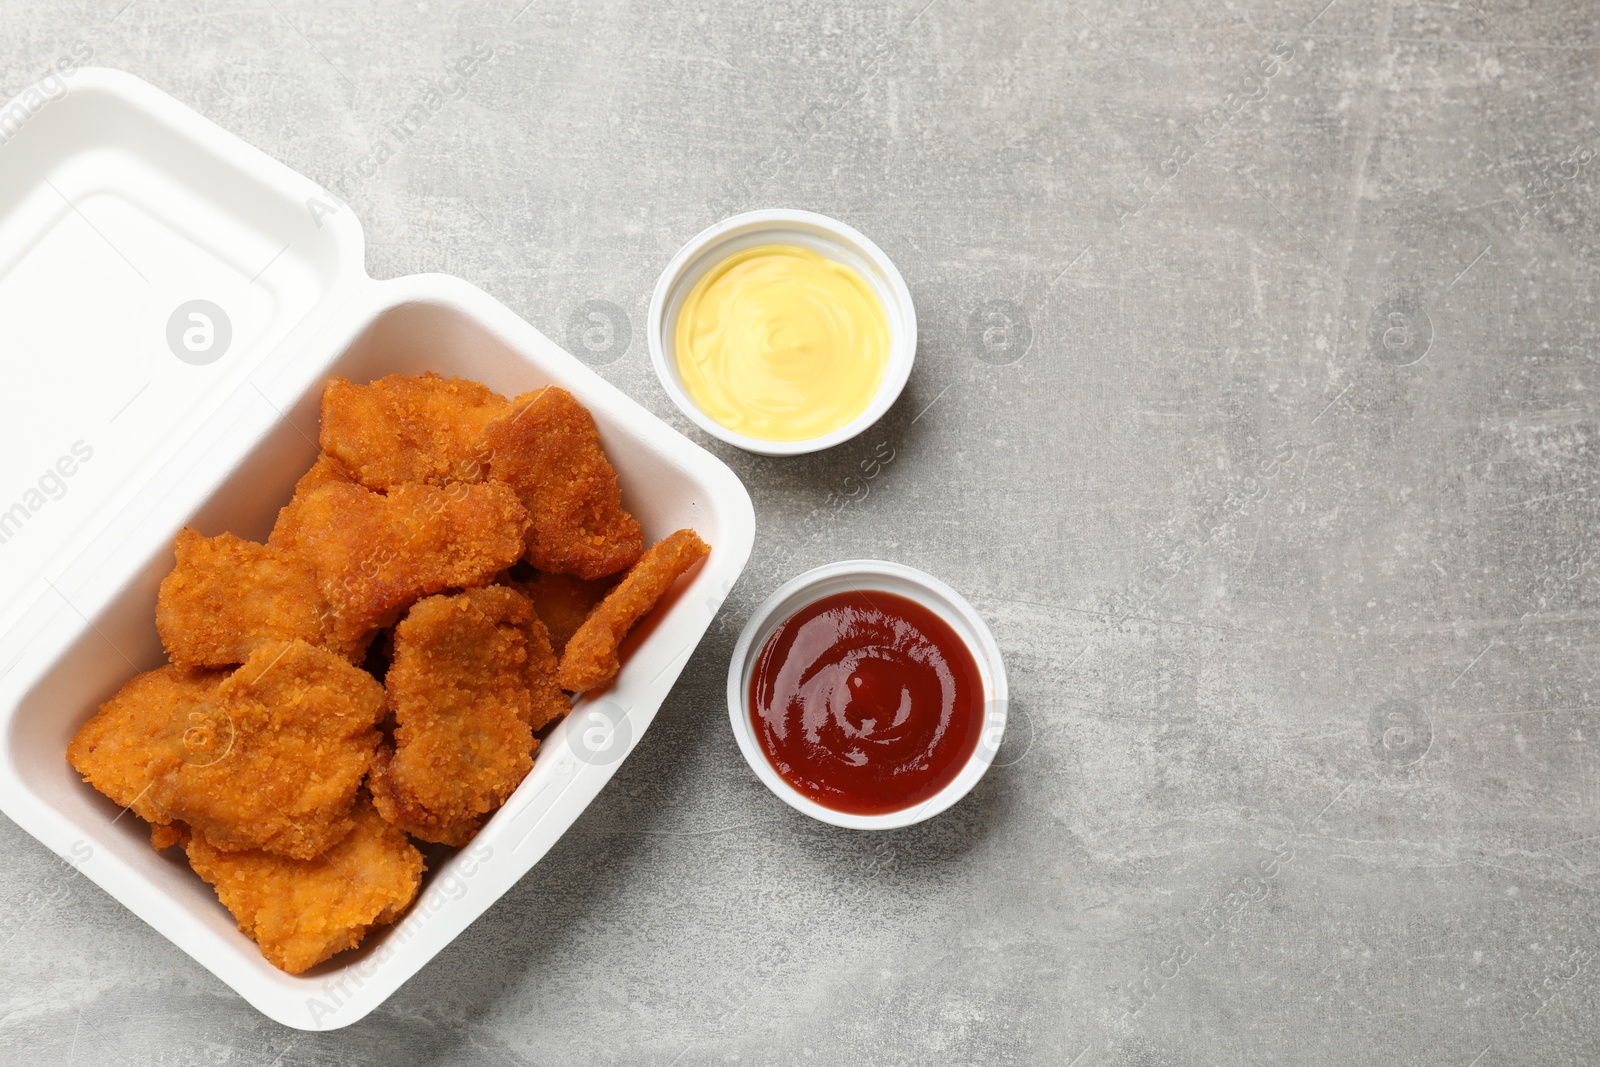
{"x":866,"y":702}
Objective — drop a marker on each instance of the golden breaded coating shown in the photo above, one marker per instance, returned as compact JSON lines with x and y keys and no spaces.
{"x":301,"y":911}
{"x":267,"y":757}
{"x":409,"y":428}
{"x":459,"y":691}
{"x":548,"y":449}
{"x":326,"y":469}
{"x":590,"y":660}
{"x":164,"y":837}
{"x":383,"y":798}
{"x":227,"y":596}
{"x":546,"y":701}
{"x":376,"y":555}
{"x":562,"y":602}
{"x":155,"y":722}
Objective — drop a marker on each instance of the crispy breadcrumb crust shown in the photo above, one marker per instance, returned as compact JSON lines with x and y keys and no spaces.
{"x":420,"y":826}
{"x":164,"y":837}
{"x":590,"y":660}
{"x":145,"y":733}
{"x":268,"y":757}
{"x":302,"y":911}
{"x":548,"y":449}
{"x":227,"y":596}
{"x":409,"y":428}
{"x":546,"y":701}
{"x":562,"y":602}
{"x":326,"y":469}
{"x":376,"y":554}
{"x":459,"y":691}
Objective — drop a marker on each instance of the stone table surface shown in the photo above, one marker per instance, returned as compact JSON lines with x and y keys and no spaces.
{"x":1253,"y":408}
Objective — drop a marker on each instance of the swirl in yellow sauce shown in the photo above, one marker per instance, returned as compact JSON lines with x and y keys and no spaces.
{"x":782,"y":344}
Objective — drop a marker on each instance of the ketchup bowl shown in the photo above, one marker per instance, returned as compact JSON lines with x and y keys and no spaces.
{"x":867,"y":694}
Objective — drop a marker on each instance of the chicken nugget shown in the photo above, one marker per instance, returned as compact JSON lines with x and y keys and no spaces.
{"x":155,"y":723}
{"x":409,"y":428}
{"x":326,"y":469}
{"x":590,"y":660}
{"x":548,"y":449}
{"x":460,"y":695}
{"x":227,"y":596}
{"x":562,"y":602}
{"x":267,"y":757}
{"x":301,"y":911}
{"x":376,"y":555}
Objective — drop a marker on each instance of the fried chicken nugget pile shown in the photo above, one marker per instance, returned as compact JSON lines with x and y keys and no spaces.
{"x":373,"y":673}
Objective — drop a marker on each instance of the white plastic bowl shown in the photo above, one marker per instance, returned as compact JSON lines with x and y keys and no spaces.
{"x":827,"y":237}
{"x":118,"y":204}
{"x":869,"y":575}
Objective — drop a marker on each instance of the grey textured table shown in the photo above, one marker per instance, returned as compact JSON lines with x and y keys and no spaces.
{"x":1253,"y":408}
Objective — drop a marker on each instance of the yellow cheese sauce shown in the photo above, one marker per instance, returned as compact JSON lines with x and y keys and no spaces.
{"x":782,"y":344}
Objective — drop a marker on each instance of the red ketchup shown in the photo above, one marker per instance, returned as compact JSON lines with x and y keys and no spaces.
{"x":867,"y":703}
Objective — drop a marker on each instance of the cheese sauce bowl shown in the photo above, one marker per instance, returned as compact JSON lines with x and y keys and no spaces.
{"x":871,"y":577}
{"x":680,"y":285}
